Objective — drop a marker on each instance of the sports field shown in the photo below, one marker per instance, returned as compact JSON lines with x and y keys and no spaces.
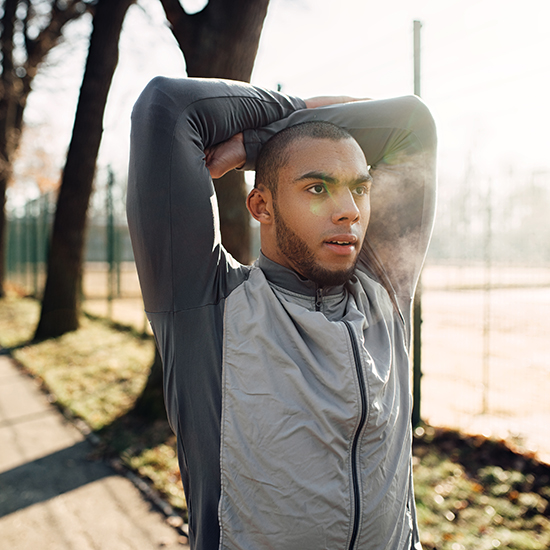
{"x":486,"y":352}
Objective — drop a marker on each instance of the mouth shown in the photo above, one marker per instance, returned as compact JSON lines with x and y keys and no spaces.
{"x":344,"y":239}
{"x":342,"y":244}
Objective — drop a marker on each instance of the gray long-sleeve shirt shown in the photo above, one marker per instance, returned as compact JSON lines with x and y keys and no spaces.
{"x":292,"y":414}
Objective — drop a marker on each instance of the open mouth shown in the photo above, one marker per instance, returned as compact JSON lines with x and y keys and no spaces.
{"x":340,"y":243}
{"x":344,"y":245}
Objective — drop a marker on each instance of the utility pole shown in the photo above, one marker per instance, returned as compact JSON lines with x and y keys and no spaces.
{"x":417,"y":306}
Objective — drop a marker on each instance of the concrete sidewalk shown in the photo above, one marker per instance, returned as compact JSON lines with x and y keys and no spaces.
{"x":51,"y":495}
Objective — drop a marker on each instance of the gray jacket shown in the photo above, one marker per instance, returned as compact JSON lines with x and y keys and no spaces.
{"x":291,"y":403}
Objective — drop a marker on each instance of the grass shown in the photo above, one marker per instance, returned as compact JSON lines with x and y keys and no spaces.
{"x":18,"y":319}
{"x":95,"y":372}
{"x":472,"y":493}
{"x":466,"y":500}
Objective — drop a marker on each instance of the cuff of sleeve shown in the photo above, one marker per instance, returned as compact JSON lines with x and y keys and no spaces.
{"x":252,"y":146}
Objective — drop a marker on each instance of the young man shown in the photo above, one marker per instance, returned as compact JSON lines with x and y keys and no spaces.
{"x":286,"y":382}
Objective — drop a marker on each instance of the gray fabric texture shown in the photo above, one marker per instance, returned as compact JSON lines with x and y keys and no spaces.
{"x":291,"y":404}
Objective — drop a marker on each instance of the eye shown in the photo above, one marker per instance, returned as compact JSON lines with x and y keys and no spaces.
{"x":317,"y":189}
{"x":361,"y":190}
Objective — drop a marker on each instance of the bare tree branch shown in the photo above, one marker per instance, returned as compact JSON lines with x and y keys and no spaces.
{"x":49,"y":36}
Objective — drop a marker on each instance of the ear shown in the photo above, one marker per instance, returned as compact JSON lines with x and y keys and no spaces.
{"x":260,"y":204}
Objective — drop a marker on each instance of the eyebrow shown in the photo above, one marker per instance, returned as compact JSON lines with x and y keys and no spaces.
{"x":362,"y":178}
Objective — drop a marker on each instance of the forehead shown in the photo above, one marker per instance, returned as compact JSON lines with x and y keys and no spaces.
{"x":338,"y":157}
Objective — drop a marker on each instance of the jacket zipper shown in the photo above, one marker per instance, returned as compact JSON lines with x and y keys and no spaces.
{"x":318,"y":299}
{"x":355,"y":444}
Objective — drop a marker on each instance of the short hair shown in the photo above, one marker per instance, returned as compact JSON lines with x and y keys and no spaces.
{"x":274,"y":155}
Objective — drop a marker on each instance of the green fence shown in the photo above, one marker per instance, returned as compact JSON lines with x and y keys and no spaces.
{"x":109,"y":271}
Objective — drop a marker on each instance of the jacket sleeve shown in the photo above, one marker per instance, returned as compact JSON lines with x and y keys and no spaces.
{"x":171,"y":204}
{"x":399,"y":141}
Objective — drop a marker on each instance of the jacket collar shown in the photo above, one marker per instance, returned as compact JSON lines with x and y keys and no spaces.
{"x":291,"y":280}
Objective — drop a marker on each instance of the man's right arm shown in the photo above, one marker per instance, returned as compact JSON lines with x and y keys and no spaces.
{"x":172,"y":209}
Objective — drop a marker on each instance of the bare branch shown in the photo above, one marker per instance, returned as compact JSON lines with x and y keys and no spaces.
{"x":49,"y":36}
{"x":28,"y":10}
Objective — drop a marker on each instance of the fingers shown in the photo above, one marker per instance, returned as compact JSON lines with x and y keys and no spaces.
{"x":225,"y":156}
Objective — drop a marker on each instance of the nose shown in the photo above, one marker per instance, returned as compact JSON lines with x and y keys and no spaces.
{"x":344,"y":208}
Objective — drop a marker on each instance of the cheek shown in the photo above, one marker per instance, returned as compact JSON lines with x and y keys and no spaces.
{"x":301,"y":211}
{"x":365,"y":211}
{"x":317,"y":207}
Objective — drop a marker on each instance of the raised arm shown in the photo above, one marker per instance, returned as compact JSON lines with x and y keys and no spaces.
{"x":172,"y":209}
{"x":399,"y":141}
{"x":231,"y":154}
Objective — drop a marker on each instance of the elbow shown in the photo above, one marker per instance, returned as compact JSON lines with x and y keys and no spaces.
{"x":158,"y":94}
{"x":420,"y":121}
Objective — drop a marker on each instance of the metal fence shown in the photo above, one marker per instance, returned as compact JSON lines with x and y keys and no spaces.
{"x":486,"y":310}
{"x":486,"y":298}
{"x":110,"y":287}
{"x":27,"y":237}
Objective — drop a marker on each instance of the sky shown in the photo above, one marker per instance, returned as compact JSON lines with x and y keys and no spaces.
{"x":485,"y":73}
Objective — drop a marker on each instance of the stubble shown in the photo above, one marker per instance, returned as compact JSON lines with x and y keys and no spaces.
{"x":302,"y":258}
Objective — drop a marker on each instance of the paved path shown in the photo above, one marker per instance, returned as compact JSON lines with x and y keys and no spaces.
{"x":51,"y":495}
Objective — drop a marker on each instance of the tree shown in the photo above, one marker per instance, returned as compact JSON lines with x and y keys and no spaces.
{"x":220,"y":41}
{"x":60,"y":303}
{"x":29,"y":30}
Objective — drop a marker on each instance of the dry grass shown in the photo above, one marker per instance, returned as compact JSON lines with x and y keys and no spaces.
{"x":477,"y":493}
{"x":18,"y":318}
{"x":96,"y":372}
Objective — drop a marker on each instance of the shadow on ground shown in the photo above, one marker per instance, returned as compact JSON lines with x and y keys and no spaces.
{"x":49,"y":476}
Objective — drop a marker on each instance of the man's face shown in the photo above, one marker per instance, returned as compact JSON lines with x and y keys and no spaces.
{"x":322,"y":209}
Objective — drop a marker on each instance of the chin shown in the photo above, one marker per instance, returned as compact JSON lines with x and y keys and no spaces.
{"x":322,"y":276}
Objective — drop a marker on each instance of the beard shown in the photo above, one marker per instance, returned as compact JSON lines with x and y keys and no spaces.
{"x":303,"y":259}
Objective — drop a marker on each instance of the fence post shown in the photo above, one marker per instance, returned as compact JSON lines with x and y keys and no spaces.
{"x":118,"y":261}
{"x":10,"y":248}
{"x":22,"y":247}
{"x":487,"y":245}
{"x":110,"y":242}
{"x":34,"y":244}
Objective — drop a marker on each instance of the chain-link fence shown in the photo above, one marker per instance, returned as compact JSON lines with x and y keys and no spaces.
{"x":486,"y":297}
{"x":110,"y":286}
{"x":486,"y":310}
{"x":27,"y":237}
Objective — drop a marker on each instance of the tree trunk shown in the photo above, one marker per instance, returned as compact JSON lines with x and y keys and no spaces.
{"x":234,"y":217}
{"x":60,"y":304}
{"x":6,"y":116}
{"x":221,"y":41}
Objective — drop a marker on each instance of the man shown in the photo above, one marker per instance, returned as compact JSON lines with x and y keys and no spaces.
{"x":286,"y":382}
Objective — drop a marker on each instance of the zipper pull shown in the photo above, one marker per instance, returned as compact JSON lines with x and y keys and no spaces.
{"x":318,"y":299}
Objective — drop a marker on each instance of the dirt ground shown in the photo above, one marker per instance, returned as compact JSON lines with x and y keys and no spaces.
{"x":485,"y":352}
{"x":486,"y":363}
